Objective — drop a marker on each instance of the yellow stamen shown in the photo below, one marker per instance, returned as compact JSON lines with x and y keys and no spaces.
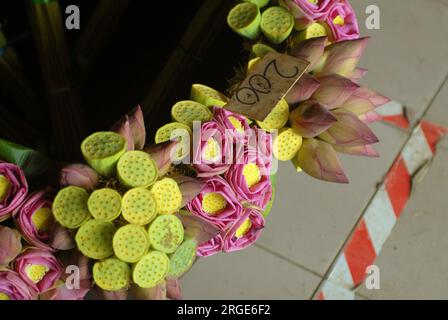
{"x":251,"y":174}
{"x":4,"y":187}
{"x":36,"y":272}
{"x":236,"y":124}
{"x":243,"y":229}
{"x":339,"y":21}
{"x":212,"y":152}
{"x":313,"y":1}
{"x":4,"y":296}
{"x":213,"y":203}
{"x":42,"y":219}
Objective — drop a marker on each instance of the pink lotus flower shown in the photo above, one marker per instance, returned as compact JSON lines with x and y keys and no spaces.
{"x":10,"y":245}
{"x":365,"y":151}
{"x":38,"y":268}
{"x":235,"y":123}
{"x":217,"y":203}
{"x":342,"y":22}
{"x":162,"y":153}
{"x":196,"y":227}
{"x":132,"y":128}
{"x":370,"y":117}
{"x":259,"y":140}
{"x":12,"y":287}
{"x":79,"y":175}
{"x":189,"y":187}
{"x":302,"y":90}
{"x":173,"y":289}
{"x":244,"y":232}
{"x":311,"y":119}
{"x":211,"y":247}
{"x":13,"y":189}
{"x":250,"y":179}
{"x":358,"y":74}
{"x":305,"y":12}
{"x":212,"y":150}
{"x":334,"y":90}
{"x":318,"y":159}
{"x":364,"y":100}
{"x":311,"y":50}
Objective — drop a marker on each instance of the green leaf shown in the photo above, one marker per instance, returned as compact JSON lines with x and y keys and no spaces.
{"x":32,"y":162}
{"x":273,"y":179}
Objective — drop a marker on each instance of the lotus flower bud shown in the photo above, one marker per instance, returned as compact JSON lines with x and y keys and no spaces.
{"x":196,"y":227}
{"x":303,"y":89}
{"x":370,"y":117}
{"x":10,"y":245}
{"x":13,"y":189}
{"x":358,"y":74}
{"x":244,"y":232}
{"x":189,"y":187}
{"x":334,"y":90}
{"x":132,"y":128}
{"x":12,"y":287}
{"x":162,"y":154}
{"x":123,"y":128}
{"x":61,"y":239}
{"x":311,"y":119}
{"x":366,"y":151}
{"x":311,"y":50}
{"x":349,"y":131}
{"x":38,"y":268}
{"x":173,"y":288}
{"x":211,"y":247}
{"x":79,"y":175}
{"x":342,"y":57}
{"x":364,"y":100}
{"x":158,"y":292}
{"x":318,"y":159}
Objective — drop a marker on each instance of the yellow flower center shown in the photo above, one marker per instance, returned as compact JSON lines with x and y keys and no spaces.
{"x":339,"y":21}
{"x":251,"y":174}
{"x":313,"y":1}
{"x":4,"y":187}
{"x":212,"y":152}
{"x":36,"y":272}
{"x":42,"y":219}
{"x":4,"y":296}
{"x":213,"y":203}
{"x":236,"y":124}
{"x":243,"y":229}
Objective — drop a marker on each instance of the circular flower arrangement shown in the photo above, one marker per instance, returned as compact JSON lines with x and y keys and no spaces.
{"x":137,"y":215}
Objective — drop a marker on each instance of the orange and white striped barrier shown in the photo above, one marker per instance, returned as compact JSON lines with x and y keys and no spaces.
{"x":394,"y":113}
{"x":381,"y":215}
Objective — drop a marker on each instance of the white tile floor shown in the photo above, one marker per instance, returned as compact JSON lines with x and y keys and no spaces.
{"x":407,"y":61}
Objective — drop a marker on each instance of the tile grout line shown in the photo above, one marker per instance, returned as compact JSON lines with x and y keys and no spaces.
{"x":290,"y":261}
{"x":352,"y":230}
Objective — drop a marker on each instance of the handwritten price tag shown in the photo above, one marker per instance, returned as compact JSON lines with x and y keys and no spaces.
{"x":268,"y":82}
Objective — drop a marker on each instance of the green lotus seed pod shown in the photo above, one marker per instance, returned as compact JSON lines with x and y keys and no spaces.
{"x":188,"y":111}
{"x":259,"y":3}
{"x":183,"y":258}
{"x":139,"y":206}
{"x":151,"y":269}
{"x":130,"y":243}
{"x":207,"y":96}
{"x":105,"y":204}
{"x":136,"y":169}
{"x":276,"y":24}
{"x":102,"y":150}
{"x":166,"y":233}
{"x":168,"y":196}
{"x":111,"y":274}
{"x":278,"y":117}
{"x":287,"y":144}
{"x":245,"y":19}
{"x":70,"y":207}
{"x":94,"y":239}
{"x":260,"y":49}
{"x":176,"y":130}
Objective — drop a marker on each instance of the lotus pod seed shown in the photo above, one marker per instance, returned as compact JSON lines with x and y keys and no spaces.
{"x":176,"y":131}
{"x":104,"y":204}
{"x":260,"y":49}
{"x":245,"y":20}
{"x":168,"y":196}
{"x":276,"y":24}
{"x":70,"y":207}
{"x":111,"y":274}
{"x":130,"y":243}
{"x":166,"y":233}
{"x":151,"y":269}
{"x":94,"y":239}
{"x":136,"y":169}
{"x":139,"y":206}
{"x":207,"y":96}
{"x":183,"y":258}
{"x":188,"y":111}
{"x":277,"y":118}
{"x":287,"y":144}
{"x":102,"y":150}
